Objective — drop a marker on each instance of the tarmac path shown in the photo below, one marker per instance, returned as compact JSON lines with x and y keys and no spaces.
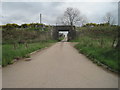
{"x":59,"y":66}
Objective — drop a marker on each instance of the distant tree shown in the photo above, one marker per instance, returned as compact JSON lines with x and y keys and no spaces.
{"x":83,"y":20}
{"x":10,"y":26}
{"x":90,"y":25}
{"x":71,"y":17}
{"x":36,"y":25}
{"x":24,"y":25}
{"x":108,"y":18}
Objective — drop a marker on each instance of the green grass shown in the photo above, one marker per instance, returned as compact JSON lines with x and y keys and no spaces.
{"x":104,"y":54}
{"x":9,"y":53}
{"x":0,"y":54}
{"x":60,"y":38}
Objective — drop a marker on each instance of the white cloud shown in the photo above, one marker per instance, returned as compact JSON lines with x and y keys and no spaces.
{"x":60,"y":0}
{"x":28,"y":12}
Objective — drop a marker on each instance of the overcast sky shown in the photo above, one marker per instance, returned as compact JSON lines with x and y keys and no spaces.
{"x":28,"y":12}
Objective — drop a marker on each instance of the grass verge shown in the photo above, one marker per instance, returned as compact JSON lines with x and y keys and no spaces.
{"x":106,"y":55}
{"x":9,"y":53}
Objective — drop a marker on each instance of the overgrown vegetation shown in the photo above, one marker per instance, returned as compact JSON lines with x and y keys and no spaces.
{"x":26,"y":33}
{"x":0,"y":45}
{"x":9,"y":53}
{"x":61,"y":37}
{"x":20,"y":40}
{"x":0,"y":54}
{"x":98,"y":43}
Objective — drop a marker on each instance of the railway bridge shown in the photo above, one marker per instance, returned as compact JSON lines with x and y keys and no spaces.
{"x":68,"y":28}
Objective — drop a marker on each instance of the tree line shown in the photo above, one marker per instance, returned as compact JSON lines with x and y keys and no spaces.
{"x":31,"y":25}
{"x":26,"y":33}
{"x":73,"y":17}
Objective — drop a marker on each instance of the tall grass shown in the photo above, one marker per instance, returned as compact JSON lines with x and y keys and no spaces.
{"x":97,"y":45}
{"x":9,"y":53}
{"x":0,"y":54}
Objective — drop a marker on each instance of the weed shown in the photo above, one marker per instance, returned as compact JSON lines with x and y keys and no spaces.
{"x":97,"y":45}
{"x":9,"y":53}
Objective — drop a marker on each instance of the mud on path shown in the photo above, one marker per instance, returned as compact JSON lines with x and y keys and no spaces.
{"x":59,"y":66}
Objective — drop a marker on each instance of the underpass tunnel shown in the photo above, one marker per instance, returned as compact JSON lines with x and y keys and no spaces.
{"x":63,"y":35}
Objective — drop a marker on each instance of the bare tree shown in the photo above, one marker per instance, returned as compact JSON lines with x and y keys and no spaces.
{"x":109,"y":18}
{"x":71,"y":16}
{"x":83,"y":20}
{"x":62,"y":20}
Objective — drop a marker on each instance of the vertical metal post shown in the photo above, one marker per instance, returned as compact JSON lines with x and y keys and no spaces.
{"x":40,"y":19}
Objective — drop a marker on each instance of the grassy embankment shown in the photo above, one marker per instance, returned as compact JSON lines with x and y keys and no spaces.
{"x":20,"y":40}
{"x":9,"y":53}
{"x":0,"y":54}
{"x":97,"y":45}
